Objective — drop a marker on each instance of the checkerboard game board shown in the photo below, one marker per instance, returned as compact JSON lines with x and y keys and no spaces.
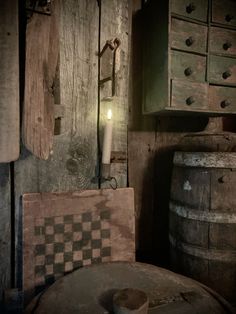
{"x":66,"y":231}
{"x":64,"y":243}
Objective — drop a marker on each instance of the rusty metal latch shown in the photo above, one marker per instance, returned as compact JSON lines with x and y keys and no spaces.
{"x":108,"y":66}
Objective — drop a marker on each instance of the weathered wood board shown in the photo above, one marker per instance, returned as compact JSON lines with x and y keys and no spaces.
{"x":65,"y":231}
{"x":73,"y":162}
{"x":42,"y":52}
{"x":9,"y":81}
{"x":115,"y":23}
{"x":141,"y":152}
{"x":5,"y":229}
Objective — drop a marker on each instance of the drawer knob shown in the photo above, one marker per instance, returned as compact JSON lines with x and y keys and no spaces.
{"x":188,"y":71}
{"x":226,"y":74}
{"x":225,"y":103}
{"x":227,"y":45}
{"x":189,"y":41}
{"x":229,"y":17}
{"x":190,"y":8}
{"x":223,"y":179}
{"x":190,"y":100}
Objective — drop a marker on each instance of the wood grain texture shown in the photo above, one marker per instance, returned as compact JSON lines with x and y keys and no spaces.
{"x":220,"y":39}
{"x":141,"y":152}
{"x":70,"y":220}
{"x":220,"y":9}
{"x":191,"y":187}
{"x":9,"y":81}
{"x":189,"y":95}
{"x":151,"y":143}
{"x":222,"y":98}
{"x":5,"y":229}
{"x":115,"y":23}
{"x":94,"y":286}
{"x":182,"y":31}
{"x":181,"y":61}
{"x":220,"y":65}
{"x":200,"y":12}
{"x":40,"y":71}
{"x":206,"y":230}
{"x":72,"y":164}
{"x":137,"y":121}
{"x":205,"y":160}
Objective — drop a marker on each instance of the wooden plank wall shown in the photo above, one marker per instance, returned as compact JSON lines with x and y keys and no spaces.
{"x":73,"y":163}
{"x":9,"y":81}
{"x":9,"y":128}
{"x":151,"y":145}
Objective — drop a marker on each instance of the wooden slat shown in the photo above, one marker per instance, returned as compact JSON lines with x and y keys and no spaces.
{"x":115,"y":23}
{"x":9,"y":81}
{"x":141,"y":157}
{"x":5,"y":229}
{"x":73,"y":162}
{"x":42,"y":45}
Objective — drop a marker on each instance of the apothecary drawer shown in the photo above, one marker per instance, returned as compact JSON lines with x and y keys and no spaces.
{"x":189,"y":95}
{"x":222,"y":70}
{"x":188,"y":36}
{"x":224,"y":12}
{"x":222,"y":41}
{"x":222,"y":99}
{"x":195,"y":9}
{"x":188,"y":66}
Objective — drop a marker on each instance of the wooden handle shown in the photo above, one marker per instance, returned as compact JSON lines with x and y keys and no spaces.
{"x":130,"y":301}
{"x":223,"y":179}
{"x":190,"y":8}
{"x":188,"y":71}
{"x":227,"y":45}
{"x":189,"y":41}
{"x":190,"y":100}
{"x":229,"y":17}
{"x":225,"y":103}
{"x":226,"y":74}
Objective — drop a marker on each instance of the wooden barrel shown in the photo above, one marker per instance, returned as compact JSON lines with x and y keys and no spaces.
{"x":202,"y":223}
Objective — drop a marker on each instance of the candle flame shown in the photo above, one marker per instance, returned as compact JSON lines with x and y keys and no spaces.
{"x":109,"y":114}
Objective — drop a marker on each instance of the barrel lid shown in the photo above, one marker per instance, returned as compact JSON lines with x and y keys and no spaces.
{"x":91,"y":289}
{"x":205,"y":159}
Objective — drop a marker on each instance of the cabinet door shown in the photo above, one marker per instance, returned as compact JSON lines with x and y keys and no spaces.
{"x":188,"y":66}
{"x":222,"y":70}
{"x":196,"y":9}
{"x":188,"y":36}
{"x":224,"y":12}
{"x":189,"y":95}
{"x":222,"y":99}
{"x":222,"y":41}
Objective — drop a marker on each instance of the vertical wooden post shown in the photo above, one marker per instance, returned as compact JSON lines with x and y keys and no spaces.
{"x":9,"y":81}
{"x":9,"y":128}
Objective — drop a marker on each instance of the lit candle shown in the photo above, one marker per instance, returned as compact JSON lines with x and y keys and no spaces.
{"x":107,"y":139}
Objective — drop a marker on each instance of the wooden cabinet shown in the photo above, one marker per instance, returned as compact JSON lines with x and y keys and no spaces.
{"x":189,"y":59}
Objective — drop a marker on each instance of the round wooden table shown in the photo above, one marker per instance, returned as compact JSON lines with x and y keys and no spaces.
{"x":90,"y":290}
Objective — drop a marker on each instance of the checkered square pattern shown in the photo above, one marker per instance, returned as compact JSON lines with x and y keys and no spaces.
{"x":65,"y":243}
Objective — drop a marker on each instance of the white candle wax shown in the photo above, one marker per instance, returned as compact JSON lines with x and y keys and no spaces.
{"x":107,"y":140}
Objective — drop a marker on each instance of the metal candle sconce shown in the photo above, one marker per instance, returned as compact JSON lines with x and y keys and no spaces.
{"x":107,"y":58}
